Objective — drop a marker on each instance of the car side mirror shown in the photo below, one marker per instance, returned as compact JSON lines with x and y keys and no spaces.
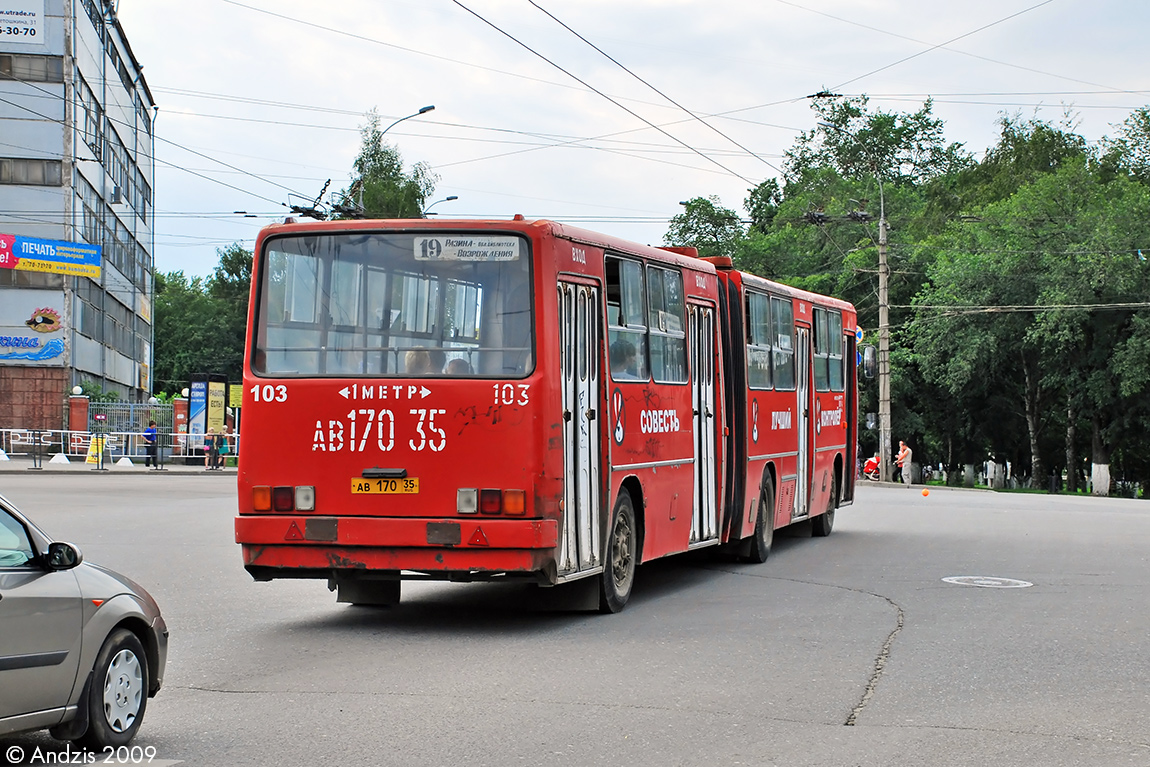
{"x":63,"y":556}
{"x":870,"y":361}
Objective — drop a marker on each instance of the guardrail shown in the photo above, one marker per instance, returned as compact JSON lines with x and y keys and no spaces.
{"x":105,"y":447}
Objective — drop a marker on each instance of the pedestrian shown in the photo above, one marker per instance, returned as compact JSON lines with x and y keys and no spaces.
{"x":223,"y":447}
{"x":871,"y":468}
{"x":210,"y":450}
{"x":150,"y":446}
{"x":903,"y":459}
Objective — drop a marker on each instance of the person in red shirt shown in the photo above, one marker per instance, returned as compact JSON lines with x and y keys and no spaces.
{"x":903,"y":460}
{"x":871,"y":468}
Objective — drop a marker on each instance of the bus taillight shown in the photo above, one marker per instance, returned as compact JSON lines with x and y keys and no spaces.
{"x":514,"y":502}
{"x":283,"y":498}
{"x":470,"y":500}
{"x":489,"y":501}
{"x":467,"y":500}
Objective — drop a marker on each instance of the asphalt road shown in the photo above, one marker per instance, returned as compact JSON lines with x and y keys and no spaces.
{"x":849,"y":650}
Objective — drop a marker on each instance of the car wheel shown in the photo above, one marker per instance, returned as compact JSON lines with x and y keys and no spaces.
{"x":622,"y":547}
{"x":764,"y":526}
{"x":823,"y":523}
{"x":118,"y":694}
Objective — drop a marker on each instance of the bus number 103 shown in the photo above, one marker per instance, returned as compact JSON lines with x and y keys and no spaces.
{"x":269,"y":393}
{"x":511,"y":394}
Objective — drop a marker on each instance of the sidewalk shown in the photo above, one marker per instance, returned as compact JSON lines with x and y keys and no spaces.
{"x":23,"y":465}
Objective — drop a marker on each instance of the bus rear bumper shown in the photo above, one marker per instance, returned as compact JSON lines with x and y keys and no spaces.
{"x":470,"y":549}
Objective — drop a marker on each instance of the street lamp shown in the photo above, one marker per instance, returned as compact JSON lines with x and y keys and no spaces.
{"x":884,"y":441}
{"x":357,"y":185}
{"x":449,"y":198}
{"x":424,"y":110}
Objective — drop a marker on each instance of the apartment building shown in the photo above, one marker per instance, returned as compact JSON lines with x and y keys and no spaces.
{"x":76,"y":216}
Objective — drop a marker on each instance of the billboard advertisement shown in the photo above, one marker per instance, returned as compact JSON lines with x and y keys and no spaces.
{"x":56,"y":256}
{"x":22,"y":22}
{"x":31,"y":327}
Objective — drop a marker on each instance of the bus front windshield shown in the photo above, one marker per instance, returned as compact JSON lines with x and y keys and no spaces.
{"x":452,"y":304}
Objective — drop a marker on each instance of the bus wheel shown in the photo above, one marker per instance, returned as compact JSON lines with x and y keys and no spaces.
{"x":764,"y":526}
{"x":823,"y":523}
{"x":622,"y":544}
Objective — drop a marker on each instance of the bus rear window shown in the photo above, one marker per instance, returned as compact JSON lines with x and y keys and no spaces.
{"x":378,"y":304}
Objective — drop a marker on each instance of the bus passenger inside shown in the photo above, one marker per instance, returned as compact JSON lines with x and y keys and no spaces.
{"x":623,"y":362}
{"x":458,"y":367}
{"x":417,"y":362}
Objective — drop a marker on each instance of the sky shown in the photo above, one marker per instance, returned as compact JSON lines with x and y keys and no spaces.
{"x":604,"y":114}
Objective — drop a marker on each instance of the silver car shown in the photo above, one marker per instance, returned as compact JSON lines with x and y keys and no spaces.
{"x":81,"y":648}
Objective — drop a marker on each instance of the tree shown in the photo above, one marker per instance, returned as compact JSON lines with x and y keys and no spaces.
{"x":201,"y":323}
{"x":897,"y":147}
{"x":706,"y":225}
{"x":381,"y":188}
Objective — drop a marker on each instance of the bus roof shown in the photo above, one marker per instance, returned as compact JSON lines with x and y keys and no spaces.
{"x":519,"y":224}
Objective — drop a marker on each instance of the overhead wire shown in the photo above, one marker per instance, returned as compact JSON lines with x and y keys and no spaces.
{"x":158,"y":160}
{"x":575,"y":77}
{"x":619,"y":64}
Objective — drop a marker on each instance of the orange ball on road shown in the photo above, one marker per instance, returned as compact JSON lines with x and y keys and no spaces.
{"x":925,"y":492}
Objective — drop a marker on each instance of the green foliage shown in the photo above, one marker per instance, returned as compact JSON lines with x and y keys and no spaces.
{"x":705,"y":225}
{"x":200,"y":323}
{"x":95,"y":393}
{"x":855,"y":142}
{"x":1018,"y":284}
{"x":382,"y":189}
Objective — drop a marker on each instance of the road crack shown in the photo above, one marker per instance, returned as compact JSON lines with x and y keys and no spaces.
{"x":883,"y":654}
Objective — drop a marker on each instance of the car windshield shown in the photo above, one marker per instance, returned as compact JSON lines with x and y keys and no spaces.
{"x":378,"y":304}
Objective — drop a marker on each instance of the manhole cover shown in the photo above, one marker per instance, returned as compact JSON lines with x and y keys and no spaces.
{"x":988,"y":582}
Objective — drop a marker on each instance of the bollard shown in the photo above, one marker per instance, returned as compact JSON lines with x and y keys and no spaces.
{"x":37,"y":458}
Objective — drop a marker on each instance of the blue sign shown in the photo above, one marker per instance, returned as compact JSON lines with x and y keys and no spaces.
{"x":56,"y":256}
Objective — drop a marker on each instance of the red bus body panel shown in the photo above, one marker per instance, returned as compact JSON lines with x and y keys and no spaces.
{"x":512,"y":434}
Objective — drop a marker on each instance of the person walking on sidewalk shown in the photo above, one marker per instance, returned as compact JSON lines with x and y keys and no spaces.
{"x":210,"y":448}
{"x":150,"y":445}
{"x":903,"y":460}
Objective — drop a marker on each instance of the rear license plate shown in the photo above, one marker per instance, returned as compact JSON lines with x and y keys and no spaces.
{"x":385,"y":486}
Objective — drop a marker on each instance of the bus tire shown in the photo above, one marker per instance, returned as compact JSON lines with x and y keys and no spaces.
{"x":620,"y":557}
{"x":764,"y":535}
{"x":823,"y":523}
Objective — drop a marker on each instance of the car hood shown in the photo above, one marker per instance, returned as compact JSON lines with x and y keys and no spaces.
{"x":98,"y":582}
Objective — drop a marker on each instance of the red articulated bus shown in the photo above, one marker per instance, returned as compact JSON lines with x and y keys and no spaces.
{"x":482,"y":400}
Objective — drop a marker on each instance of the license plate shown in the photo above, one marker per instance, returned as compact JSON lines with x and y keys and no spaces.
{"x":385,"y":486}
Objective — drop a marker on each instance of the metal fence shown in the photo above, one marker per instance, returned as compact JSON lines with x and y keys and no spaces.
{"x":127,"y":417}
{"x":106,"y":445}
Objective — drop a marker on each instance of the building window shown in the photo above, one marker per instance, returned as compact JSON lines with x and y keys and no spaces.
{"x":39,"y":69}
{"x":32,"y":172}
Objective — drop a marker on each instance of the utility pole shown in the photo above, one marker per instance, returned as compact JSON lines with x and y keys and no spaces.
{"x":884,"y":446}
{"x":884,"y":441}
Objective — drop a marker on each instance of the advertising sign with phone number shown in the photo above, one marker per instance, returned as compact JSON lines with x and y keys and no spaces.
{"x":22,"y":21}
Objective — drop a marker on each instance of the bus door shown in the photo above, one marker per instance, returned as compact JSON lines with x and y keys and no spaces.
{"x":579,"y":313}
{"x":803,"y":427}
{"x":701,"y":342}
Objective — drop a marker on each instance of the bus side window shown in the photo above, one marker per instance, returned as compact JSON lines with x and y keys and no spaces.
{"x":758,"y":341}
{"x":783,"y":357}
{"x":835,"y":350}
{"x":822,"y":345}
{"x":626,"y":317}
{"x":665,"y":325}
